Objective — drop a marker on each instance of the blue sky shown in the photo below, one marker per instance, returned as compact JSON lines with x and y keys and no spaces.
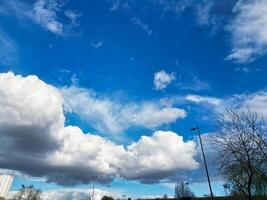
{"x":120,"y":70}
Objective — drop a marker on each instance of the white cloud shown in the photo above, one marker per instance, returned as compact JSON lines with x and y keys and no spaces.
{"x":248,"y":31}
{"x":151,"y":160}
{"x":16,"y":8}
{"x":35,"y":141}
{"x":164,"y":6}
{"x":71,"y":194}
{"x":106,"y":115}
{"x":203,"y":99}
{"x":255,"y":102}
{"x":194,"y":84}
{"x":73,"y":16}
{"x":243,"y":69}
{"x":44,"y":13}
{"x":78,"y":194}
{"x":22,"y":99}
{"x":97,"y":44}
{"x":115,"y":4}
{"x":162,"y":79}
{"x":151,"y":115}
{"x":136,"y":21}
{"x":203,"y":13}
{"x":66,"y":195}
{"x":172,"y":5}
{"x":8,"y":49}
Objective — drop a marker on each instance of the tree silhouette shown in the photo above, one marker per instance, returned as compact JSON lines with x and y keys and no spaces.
{"x":241,"y":145}
{"x":182,"y":190}
{"x":106,"y":198}
{"x":28,"y":193}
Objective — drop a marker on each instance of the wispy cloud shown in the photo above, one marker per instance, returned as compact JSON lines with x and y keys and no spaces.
{"x":8,"y":49}
{"x":107,"y":115}
{"x":248,"y":31}
{"x":114,"y":5}
{"x":255,"y":102}
{"x":137,"y":21}
{"x":193,"y":84}
{"x":203,"y":99}
{"x":166,"y":6}
{"x":203,"y":12}
{"x":98,"y":44}
{"x":172,"y":5}
{"x":205,"y":16}
{"x":44,"y":13}
{"x":73,"y":17}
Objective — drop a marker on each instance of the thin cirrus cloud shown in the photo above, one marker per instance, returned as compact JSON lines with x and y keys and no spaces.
{"x":98,"y":44}
{"x":106,"y":115}
{"x":248,"y":31}
{"x":44,"y":13}
{"x":137,"y":21}
{"x":73,"y":17}
{"x":203,"y":13}
{"x":162,"y":79}
{"x":165,"y":6}
{"x":246,"y":24}
{"x":205,"y":16}
{"x":33,"y":131}
{"x":8,"y":49}
{"x":193,"y":83}
{"x":255,"y":102}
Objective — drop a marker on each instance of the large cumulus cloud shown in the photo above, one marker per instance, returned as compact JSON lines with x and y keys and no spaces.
{"x":159,"y":156}
{"x":34,"y":140}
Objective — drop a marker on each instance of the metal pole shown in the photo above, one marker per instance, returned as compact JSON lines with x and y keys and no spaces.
{"x":205,"y":163}
{"x":94,"y":179}
{"x":93,"y":196}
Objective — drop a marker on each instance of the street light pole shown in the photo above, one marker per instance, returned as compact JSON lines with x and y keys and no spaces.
{"x":205,"y":163}
{"x":94,"y":179}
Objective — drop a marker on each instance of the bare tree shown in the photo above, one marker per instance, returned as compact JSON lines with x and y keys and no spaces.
{"x":182,"y":190}
{"x":241,"y":145}
{"x":28,"y":193}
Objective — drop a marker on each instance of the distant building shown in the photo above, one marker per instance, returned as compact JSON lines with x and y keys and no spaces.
{"x":5,"y":184}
